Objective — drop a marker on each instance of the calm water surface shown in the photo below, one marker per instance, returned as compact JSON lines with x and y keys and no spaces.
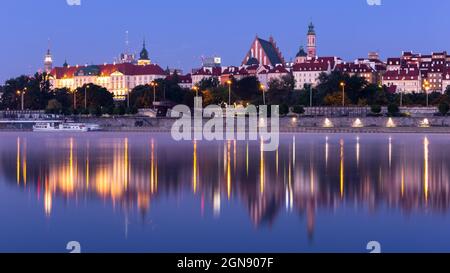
{"x":139,"y":192}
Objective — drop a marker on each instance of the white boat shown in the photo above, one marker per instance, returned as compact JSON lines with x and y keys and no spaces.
{"x":63,"y":127}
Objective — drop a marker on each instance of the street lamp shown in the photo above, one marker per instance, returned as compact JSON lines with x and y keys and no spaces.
{"x":263,"y":89}
{"x":85,"y":95}
{"x":195,"y":88}
{"x":342,"y":84}
{"x":426,"y":87}
{"x":74,"y":99}
{"x":154,"y":85}
{"x":229,"y":91}
{"x":21,"y":93}
{"x":310,"y":96}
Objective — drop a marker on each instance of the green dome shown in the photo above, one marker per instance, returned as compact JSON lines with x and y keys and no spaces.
{"x":144,"y":53}
{"x":301,"y":52}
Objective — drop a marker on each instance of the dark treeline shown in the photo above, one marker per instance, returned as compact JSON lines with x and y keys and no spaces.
{"x":38,"y":94}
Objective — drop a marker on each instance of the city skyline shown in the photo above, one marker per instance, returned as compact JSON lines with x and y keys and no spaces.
{"x":163,"y":38}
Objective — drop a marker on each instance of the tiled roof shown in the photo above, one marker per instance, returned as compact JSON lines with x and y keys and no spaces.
{"x":107,"y":70}
{"x":270,"y":51}
{"x":311,"y":67}
{"x":278,"y":69}
{"x":402,"y":74}
{"x":182,"y":78}
{"x":354,"y":68}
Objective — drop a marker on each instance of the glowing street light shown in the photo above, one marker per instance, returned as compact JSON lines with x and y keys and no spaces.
{"x":196,"y":88}
{"x":85,"y":95}
{"x":342,"y":84}
{"x":263,"y":89}
{"x":229,"y":91}
{"x":426,"y":87}
{"x":21,"y":93}
{"x":154,"y":85}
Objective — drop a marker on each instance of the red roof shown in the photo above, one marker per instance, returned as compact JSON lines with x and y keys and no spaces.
{"x":215,"y":71}
{"x":182,"y":78}
{"x":311,"y":67}
{"x":108,"y":69}
{"x":354,"y":68}
{"x":278,"y":69}
{"x":402,"y":74}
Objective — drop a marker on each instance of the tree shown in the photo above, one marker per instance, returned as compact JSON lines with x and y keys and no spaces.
{"x":284,"y":109}
{"x":53,"y":107}
{"x":141,"y":96}
{"x":96,"y":96}
{"x":355,"y":87}
{"x":444,"y":108}
{"x":393,"y":109}
{"x":376,"y":109}
{"x":298,"y":109}
{"x":65,"y":97}
{"x":208,"y":83}
{"x":335,"y":99}
{"x":248,"y":89}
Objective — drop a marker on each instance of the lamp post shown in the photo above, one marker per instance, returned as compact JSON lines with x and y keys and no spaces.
{"x":195,"y":88}
{"x":229,"y":91}
{"x":342,"y":84}
{"x":154,"y":84}
{"x":426,"y":87}
{"x":263,"y":89}
{"x":74,"y":99}
{"x":85,"y":96}
{"x":310,"y":96}
{"x":22,"y":93}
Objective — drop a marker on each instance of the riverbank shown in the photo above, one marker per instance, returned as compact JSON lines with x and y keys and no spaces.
{"x":437,"y":125}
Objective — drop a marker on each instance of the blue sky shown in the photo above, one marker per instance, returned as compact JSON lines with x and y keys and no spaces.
{"x":179,"y":32}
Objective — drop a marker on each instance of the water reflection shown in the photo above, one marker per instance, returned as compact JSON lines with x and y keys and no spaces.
{"x":307,"y":173}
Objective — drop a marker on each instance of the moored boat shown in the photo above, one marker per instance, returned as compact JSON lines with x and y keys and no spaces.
{"x":64,"y":127}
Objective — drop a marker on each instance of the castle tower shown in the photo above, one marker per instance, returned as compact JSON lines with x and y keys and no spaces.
{"x":48,"y":62}
{"x":143,"y":56}
{"x":311,"y":37}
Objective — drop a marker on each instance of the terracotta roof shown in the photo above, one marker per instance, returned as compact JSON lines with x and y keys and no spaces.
{"x":182,"y":78}
{"x":402,"y":74}
{"x":278,"y":69}
{"x":354,"y":68}
{"x":108,"y":69}
{"x":215,"y":71}
{"x":311,"y":67}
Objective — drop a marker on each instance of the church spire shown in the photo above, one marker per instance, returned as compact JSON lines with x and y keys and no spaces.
{"x":48,"y":60}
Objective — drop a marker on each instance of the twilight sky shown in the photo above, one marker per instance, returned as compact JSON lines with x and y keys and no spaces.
{"x":179,"y":32}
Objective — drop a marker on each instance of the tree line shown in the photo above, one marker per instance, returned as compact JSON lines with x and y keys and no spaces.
{"x":38,"y":94}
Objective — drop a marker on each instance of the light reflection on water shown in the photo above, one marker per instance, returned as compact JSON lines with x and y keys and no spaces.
{"x":142,"y":192}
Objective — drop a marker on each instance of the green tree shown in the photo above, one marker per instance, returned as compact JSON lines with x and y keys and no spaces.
{"x":53,"y":107}
{"x":444,"y":107}
{"x":393,"y":109}
{"x":96,"y":96}
{"x":298,"y":109}
{"x":376,"y":109}
{"x":335,"y":99}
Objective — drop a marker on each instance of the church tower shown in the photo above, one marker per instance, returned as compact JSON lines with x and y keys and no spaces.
{"x":311,"y":37}
{"x":143,"y":56}
{"x":48,"y":62}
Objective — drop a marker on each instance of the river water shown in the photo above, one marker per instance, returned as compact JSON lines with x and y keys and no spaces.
{"x":141,"y":192}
